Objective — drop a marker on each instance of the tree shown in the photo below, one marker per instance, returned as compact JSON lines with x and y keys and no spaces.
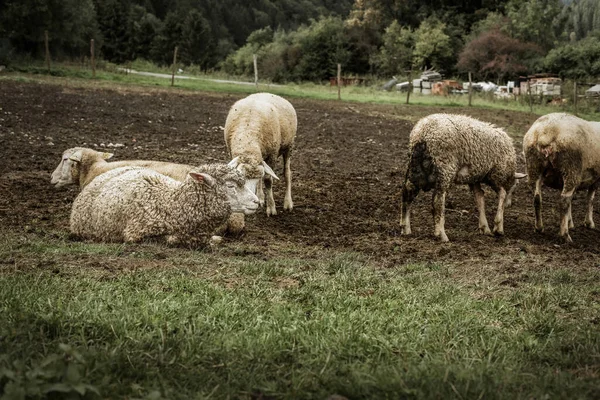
{"x":70,"y":23}
{"x":143,"y":27}
{"x":197,"y":42}
{"x":493,"y":54}
{"x":576,"y":60}
{"x":324,"y":44}
{"x":396,"y":53}
{"x":432,"y":46}
{"x":585,"y":17}
{"x":169,"y":36}
{"x":535,"y":21}
{"x":112,"y":19}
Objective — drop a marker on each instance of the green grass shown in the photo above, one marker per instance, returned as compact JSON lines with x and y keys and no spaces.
{"x":231,"y":325}
{"x":361,"y":94}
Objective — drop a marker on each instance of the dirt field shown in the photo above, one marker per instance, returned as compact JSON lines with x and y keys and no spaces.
{"x":348,"y":166}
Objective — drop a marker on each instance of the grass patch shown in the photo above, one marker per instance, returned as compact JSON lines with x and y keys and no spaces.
{"x":360,"y":94}
{"x":232,"y":324}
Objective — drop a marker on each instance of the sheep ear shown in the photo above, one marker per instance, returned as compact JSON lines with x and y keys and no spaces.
{"x":269,"y":171}
{"x":106,"y":156}
{"x":202,"y":178}
{"x":234,"y":163}
{"x":519,"y":175}
{"x":77,"y":156}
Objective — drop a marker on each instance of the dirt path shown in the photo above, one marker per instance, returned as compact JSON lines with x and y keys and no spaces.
{"x":348,"y":165}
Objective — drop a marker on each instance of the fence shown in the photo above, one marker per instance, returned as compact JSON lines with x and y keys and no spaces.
{"x":534,"y":91}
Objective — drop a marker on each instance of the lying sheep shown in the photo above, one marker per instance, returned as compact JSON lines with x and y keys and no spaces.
{"x":80,"y":165}
{"x":131,"y":203}
{"x":455,"y":149}
{"x":259,"y":129}
{"x":562,"y":151}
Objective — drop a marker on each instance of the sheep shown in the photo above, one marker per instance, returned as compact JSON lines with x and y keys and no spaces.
{"x":132,"y":203}
{"x":448,"y":149}
{"x":80,"y":165}
{"x":259,"y":129}
{"x":562,"y":152}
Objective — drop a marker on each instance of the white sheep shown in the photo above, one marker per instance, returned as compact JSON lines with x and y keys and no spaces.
{"x":259,"y":129}
{"x":448,"y":149}
{"x":562,"y":151}
{"x":131,"y":203}
{"x":80,"y":165}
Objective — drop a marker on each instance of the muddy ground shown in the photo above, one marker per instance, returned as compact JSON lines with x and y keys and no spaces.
{"x":348,"y":165}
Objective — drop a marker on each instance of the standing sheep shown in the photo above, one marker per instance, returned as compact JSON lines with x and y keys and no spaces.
{"x":259,"y":129}
{"x":562,"y":151}
{"x":80,"y":165}
{"x":450,"y":149}
{"x":131,"y":203}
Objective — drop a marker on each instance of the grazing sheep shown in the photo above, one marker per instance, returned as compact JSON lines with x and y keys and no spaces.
{"x":450,"y":149}
{"x":562,"y":151}
{"x":80,"y":165}
{"x":259,"y":129}
{"x":131,"y":203}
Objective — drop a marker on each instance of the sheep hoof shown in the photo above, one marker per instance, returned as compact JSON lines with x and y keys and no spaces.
{"x":442,"y":236}
{"x":498,"y":232}
{"x":405,"y":231}
{"x":288,"y":206}
{"x":566,"y":236}
{"x":215,"y":240}
{"x":590,"y":224}
{"x":271,"y":212}
{"x":485,"y":230}
{"x":539,"y":229}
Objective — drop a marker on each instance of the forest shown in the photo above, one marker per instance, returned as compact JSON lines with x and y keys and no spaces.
{"x":303,"y":40}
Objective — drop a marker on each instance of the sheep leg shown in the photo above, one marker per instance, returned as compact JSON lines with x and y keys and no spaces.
{"x":537,"y":204}
{"x":565,"y":202}
{"x":589,"y":216}
{"x":480,"y":202}
{"x":288,"y":204}
{"x":270,"y":200}
{"x":439,"y":203}
{"x":260,"y":193}
{"x":499,"y":220}
{"x":510,"y":194}
{"x":571,"y":224}
{"x":409,"y":193}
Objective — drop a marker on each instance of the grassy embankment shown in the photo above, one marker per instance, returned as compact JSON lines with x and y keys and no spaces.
{"x":362,"y":94}
{"x":144,"y":320}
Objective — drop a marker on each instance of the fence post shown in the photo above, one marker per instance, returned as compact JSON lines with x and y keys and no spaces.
{"x":93,"y":58}
{"x":339,"y":81}
{"x":255,"y":70}
{"x":530,"y":97}
{"x":409,"y":87}
{"x":174,"y":66}
{"x":470,"y":89}
{"x":47,"y":50}
{"x":575,"y":96}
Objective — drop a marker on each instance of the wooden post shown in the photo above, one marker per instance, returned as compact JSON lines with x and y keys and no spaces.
{"x":47,"y":50}
{"x":575,"y":96}
{"x":470,"y":89}
{"x":339,"y":81}
{"x":93,"y":58}
{"x":530,"y":97}
{"x":409,"y":87}
{"x":255,"y":70}
{"x":174,"y":65}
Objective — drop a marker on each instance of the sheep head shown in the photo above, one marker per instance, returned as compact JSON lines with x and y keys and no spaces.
{"x":240,"y":198}
{"x":252,"y":172}
{"x":68,"y":170}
